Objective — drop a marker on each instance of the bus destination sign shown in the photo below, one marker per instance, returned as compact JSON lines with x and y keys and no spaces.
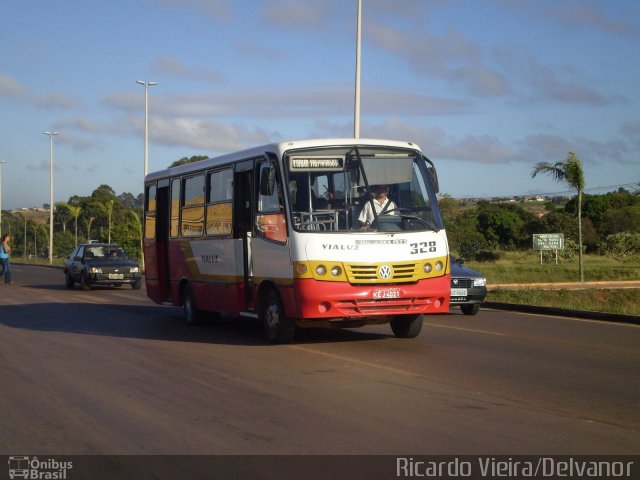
{"x":308,"y":164}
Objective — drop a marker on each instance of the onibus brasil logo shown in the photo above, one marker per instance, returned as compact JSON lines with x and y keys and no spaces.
{"x":32,"y":468}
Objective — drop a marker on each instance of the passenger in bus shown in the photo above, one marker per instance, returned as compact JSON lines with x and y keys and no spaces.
{"x":382,"y":203}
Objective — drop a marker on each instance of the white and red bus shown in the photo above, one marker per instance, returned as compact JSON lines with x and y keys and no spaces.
{"x":274,"y":233}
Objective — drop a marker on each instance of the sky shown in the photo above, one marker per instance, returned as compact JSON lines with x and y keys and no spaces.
{"x":486,"y":88}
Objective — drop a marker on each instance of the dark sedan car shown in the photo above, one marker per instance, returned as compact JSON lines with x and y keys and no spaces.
{"x":468,"y":287}
{"x":101,"y":264}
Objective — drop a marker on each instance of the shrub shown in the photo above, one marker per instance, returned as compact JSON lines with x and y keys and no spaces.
{"x":621,"y":246}
{"x":487,"y":255}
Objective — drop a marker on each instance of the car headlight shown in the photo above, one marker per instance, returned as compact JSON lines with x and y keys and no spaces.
{"x":134,"y":270}
{"x":95,"y":270}
{"x":480,"y":282}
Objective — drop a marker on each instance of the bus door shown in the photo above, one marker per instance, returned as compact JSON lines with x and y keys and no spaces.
{"x":269,"y":251}
{"x":162,"y":239}
{"x":242,"y":223}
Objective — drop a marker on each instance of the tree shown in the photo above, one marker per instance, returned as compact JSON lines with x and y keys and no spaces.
{"x":108,"y":208}
{"x":569,"y":172}
{"x":185,"y":160}
{"x":62,"y":214}
{"x":75,"y":211}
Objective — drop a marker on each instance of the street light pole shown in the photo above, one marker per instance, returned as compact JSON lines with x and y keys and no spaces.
{"x":146,"y":149}
{"x":356,"y":112}
{"x":146,"y":122}
{"x":1,"y":163}
{"x":51,"y":134}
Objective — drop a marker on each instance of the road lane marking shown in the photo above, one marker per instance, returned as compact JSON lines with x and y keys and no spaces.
{"x":485,"y":332}
{"x":357,"y":362}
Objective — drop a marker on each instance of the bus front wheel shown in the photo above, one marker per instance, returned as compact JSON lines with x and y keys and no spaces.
{"x":277,"y":327}
{"x":191,"y":313}
{"x":407,"y":326}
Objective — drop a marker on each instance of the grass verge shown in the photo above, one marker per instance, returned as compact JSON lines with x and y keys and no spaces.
{"x":620,"y":301}
{"x":525,"y":267}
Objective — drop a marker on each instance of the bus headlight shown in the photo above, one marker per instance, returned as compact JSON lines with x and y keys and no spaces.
{"x":336,"y":271}
{"x":301,"y":268}
{"x":321,"y":270}
{"x":427,"y":268}
{"x":438,"y":265}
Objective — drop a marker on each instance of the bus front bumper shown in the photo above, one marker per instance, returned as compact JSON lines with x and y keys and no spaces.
{"x":339,"y":300}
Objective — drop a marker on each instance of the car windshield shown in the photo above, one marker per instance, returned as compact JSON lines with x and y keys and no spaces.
{"x":105,"y":253}
{"x":336,"y":190}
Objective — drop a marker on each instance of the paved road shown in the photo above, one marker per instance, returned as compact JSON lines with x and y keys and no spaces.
{"x":109,"y":372}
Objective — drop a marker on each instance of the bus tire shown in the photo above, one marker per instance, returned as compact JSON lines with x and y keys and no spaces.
{"x":191,"y":313}
{"x":407,"y":326}
{"x":277,"y":327}
{"x":471,"y":309}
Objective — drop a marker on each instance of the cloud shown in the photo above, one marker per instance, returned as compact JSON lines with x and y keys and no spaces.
{"x":44,"y":166}
{"x":260,"y":52}
{"x":448,"y":57}
{"x":297,"y":14}
{"x":632,"y":131}
{"x":547,"y":85}
{"x":436,"y":144}
{"x":219,"y":9}
{"x":57,"y":101}
{"x":10,"y":87}
{"x":174,"y":67}
{"x":206,"y":135}
{"x":309,"y":101}
{"x":617,"y":20}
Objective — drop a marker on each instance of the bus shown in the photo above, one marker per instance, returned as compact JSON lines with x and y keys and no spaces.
{"x":275,"y":233}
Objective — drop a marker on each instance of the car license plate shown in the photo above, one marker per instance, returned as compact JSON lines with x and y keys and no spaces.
{"x":386,"y":293}
{"x":116,"y":276}
{"x":458,"y":292}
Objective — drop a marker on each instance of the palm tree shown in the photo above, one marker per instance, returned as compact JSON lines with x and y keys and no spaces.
{"x":569,"y":172}
{"x":62,"y":214}
{"x":108,"y":209}
{"x":75,"y":211}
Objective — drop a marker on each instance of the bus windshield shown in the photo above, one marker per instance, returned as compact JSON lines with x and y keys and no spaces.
{"x":360,"y":189}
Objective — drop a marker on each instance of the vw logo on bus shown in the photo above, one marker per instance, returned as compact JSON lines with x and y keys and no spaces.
{"x":385,"y":272}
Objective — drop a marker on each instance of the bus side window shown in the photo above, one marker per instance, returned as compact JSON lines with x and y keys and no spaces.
{"x":270,"y":220}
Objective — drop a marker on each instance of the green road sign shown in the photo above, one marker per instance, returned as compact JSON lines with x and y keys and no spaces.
{"x":548,"y":241}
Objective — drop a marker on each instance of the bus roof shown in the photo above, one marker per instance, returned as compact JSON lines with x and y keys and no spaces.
{"x":278,"y":148}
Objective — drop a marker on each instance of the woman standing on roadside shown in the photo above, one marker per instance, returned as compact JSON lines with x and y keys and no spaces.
{"x":5,"y":250}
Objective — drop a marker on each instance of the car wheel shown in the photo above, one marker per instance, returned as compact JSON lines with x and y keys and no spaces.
{"x":85,"y":283}
{"x":470,"y":309}
{"x":69,"y":280}
{"x":277,"y":327}
{"x":407,"y":326}
{"x":137,"y":284}
{"x":191,"y":313}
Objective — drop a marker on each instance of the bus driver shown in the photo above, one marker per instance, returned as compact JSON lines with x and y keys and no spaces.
{"x":382,"y":205}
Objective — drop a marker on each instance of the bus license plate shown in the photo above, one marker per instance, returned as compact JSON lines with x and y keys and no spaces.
{"x":116,"y":276}
{"x":386,"y":293}
{"x":458,"y":292}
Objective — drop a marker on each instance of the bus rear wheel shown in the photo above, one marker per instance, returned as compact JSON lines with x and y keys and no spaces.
{"x":407,"y":326}
{"x":277,"y":327}
{"x":191,"y":313}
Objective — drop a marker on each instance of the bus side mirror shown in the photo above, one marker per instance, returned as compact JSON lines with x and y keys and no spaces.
{"x":267,"y":181}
